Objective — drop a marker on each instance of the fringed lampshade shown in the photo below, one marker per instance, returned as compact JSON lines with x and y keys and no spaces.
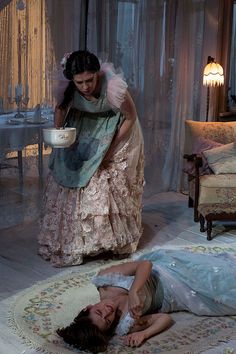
{"x":213,"y":75}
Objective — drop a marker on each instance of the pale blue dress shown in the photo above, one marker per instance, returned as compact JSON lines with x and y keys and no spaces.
{"x":202,"y":284}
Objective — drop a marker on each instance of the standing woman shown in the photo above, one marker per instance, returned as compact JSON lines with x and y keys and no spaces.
{"x":92,"y":200}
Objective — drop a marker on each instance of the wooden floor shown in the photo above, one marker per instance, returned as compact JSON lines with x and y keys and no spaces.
{"x":165,"y":217}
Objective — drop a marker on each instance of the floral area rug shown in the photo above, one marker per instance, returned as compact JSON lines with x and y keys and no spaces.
{"x":41,"y":309}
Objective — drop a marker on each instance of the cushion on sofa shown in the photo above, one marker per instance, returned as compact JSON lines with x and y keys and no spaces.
{"x":222,"y":159}
{"x":201,"y":144}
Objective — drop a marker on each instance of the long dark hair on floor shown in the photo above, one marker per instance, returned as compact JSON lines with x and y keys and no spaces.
{"x":84,"y":335}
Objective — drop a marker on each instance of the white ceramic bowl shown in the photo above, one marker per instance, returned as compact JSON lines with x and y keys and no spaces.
{"x":59,"y":138}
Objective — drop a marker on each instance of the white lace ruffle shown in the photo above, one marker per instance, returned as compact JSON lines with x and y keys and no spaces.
{"x":116,"y":86}
{"x":113,"y":279}
{"x":124,"y":325}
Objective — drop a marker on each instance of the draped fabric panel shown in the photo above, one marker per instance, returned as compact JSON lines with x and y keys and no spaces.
{"x":64,"y":34}
{"x":196,"y":36}
{"x":162,"y":47}
{"x":22,"y":55}
{"x":32,"y":43}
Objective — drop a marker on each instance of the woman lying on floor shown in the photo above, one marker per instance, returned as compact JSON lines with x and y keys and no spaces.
{"x":136,"y":297}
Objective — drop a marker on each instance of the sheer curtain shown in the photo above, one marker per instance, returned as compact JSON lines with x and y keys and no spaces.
{"x":162,"y":47}
{"x":65,"y":33}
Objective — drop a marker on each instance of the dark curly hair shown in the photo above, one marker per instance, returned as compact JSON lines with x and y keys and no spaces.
{"x":84,"y":335}
{"x":77,"y":63}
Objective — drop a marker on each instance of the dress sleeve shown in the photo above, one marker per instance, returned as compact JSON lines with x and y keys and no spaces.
{"x":116,"y":85}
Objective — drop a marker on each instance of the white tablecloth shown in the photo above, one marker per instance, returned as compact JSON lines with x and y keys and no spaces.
{"x":16,"y":137}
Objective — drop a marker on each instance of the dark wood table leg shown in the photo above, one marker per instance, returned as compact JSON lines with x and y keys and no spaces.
{"x":20,"y":166}
{"x":40,"y":155}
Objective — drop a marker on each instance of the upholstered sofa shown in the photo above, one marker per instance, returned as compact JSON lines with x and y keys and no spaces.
{"x":210,"y":153}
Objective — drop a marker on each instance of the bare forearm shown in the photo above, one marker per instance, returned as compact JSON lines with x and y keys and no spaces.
{"x":152,"y":325}
{"x":124,"y":132}
{"x":141,"y":275}
{"x":130,"y":115}
{"x":136,"y":293}
{"x":158,"y":325}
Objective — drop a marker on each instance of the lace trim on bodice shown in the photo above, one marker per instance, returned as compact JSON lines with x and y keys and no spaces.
{"x":113,"y":279}
{"x":124,"y":325}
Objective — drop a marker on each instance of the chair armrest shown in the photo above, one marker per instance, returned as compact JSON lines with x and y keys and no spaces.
{"x":197,"y":162}
{"x":189,"y":157}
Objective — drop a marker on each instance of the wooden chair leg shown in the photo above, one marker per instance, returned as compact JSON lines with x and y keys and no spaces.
{"x":209,"y":230}
{"x":196,"y":213}
{"x":190,"y":202}
{"x":202,"y":223}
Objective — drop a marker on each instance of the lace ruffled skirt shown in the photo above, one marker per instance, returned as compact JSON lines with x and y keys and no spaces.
{"x":103,"y":216}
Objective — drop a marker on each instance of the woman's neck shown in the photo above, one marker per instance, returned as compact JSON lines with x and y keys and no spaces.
{"x":122,"y":303}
